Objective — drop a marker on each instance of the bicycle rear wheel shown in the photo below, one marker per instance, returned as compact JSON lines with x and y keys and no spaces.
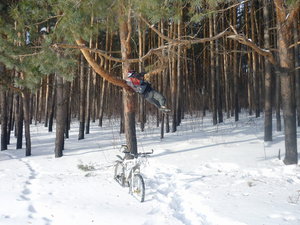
{"x":137,"y":187}
{"x":119,"y":173}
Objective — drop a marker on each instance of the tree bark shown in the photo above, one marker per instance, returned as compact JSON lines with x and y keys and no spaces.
{"x":213,"y":70}
{"x":82,"y":104}
{"x":4,"y":117}
{"x":19,"y":121}
{"x":26,"y":102}
{"x":287,"y":88}
{"x":60,"y":117}
{"x":268,"y":78}
{"x":297,"y":72}
{"x":128,"y":97}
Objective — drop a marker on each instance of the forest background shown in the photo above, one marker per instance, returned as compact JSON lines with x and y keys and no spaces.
{"x":68,"y":60}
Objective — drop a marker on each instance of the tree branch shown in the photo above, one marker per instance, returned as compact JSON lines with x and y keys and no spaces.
{"x":104,"y":54}
{"x":248,"y":42}
{"x":172,"y":42}
{"x":99,"y":70}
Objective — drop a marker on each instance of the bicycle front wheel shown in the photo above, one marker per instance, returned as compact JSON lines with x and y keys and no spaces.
{"x":119,"y":173}
{"x":138,"y":187}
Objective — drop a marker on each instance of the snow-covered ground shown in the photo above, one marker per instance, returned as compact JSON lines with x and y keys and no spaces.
{"x":200,"y":175}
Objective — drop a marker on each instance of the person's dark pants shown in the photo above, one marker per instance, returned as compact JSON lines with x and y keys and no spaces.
{"x":155,"y":98}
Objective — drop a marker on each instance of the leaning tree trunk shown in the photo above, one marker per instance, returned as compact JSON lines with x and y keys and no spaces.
{"x":287,"y":87}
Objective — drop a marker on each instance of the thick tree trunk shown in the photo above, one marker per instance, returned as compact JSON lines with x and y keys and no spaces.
{"x":60,"y":117}
{"x":287,"y":87}
{"x":128,"y":97}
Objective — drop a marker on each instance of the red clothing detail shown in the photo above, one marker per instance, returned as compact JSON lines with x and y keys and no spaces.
{"x":135,"y":81}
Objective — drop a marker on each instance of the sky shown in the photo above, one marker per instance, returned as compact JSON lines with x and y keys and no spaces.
{"x":199,"y":175}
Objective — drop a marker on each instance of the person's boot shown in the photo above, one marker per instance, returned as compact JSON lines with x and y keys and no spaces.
{"x":164,"y":109}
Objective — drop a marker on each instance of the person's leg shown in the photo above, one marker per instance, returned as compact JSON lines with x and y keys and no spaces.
{"x":160,"y":98}
{"x":155,"y":98}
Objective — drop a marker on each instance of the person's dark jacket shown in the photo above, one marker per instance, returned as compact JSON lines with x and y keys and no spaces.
{"x":138,"y":84}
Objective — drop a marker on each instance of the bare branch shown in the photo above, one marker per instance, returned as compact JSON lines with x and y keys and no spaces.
{"x":104,"y":54}
{"x":244,"y":40}
{"x":295,"y":44}
{"x":27,"y":55}
{"x":172,"y":42}
{"x":233,"y":6}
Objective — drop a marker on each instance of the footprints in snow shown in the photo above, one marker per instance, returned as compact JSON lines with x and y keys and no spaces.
{"x":28,"y":189}
{"x":172,"y":189}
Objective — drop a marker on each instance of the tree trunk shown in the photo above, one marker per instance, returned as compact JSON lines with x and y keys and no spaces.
{"x":4,"y":117}
{"x":141,"y":100}
{"x":235,"y":74}
{"x":82,"y":104}
{"x":218,"y":77}
{"x":297,"y":72}
{"x":268,"y":78}
{"x":10,"y":125}
{"x":102,"y":99}
{"x":128,"y":97}
{"x":213,"y":70}
{"x":179,"y":94}
{"x":287,"y":87}
{"x":52,"y":105}
{"x":278,"y":104}
{"x":60,"y":117}
{"x":19,"y":122}
{"x":26,"y":102}
{"x":88,"y":101}
{"x":255,"y":63}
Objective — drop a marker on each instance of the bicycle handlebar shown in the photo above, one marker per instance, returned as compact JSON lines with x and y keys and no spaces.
{"x":126,"y":151}
{"x":142,"y":154}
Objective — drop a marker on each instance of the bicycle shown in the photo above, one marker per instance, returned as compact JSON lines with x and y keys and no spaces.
{"x":127,"y":172}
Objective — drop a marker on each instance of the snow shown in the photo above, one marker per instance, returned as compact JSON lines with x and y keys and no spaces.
{"x":200,"y":175}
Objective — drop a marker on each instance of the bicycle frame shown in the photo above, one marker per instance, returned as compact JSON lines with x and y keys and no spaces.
{"x":127,"y":173}
{"x":131,"y":167}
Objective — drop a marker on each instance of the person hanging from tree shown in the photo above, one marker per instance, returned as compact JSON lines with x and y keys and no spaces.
{"x":136,"y":81}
